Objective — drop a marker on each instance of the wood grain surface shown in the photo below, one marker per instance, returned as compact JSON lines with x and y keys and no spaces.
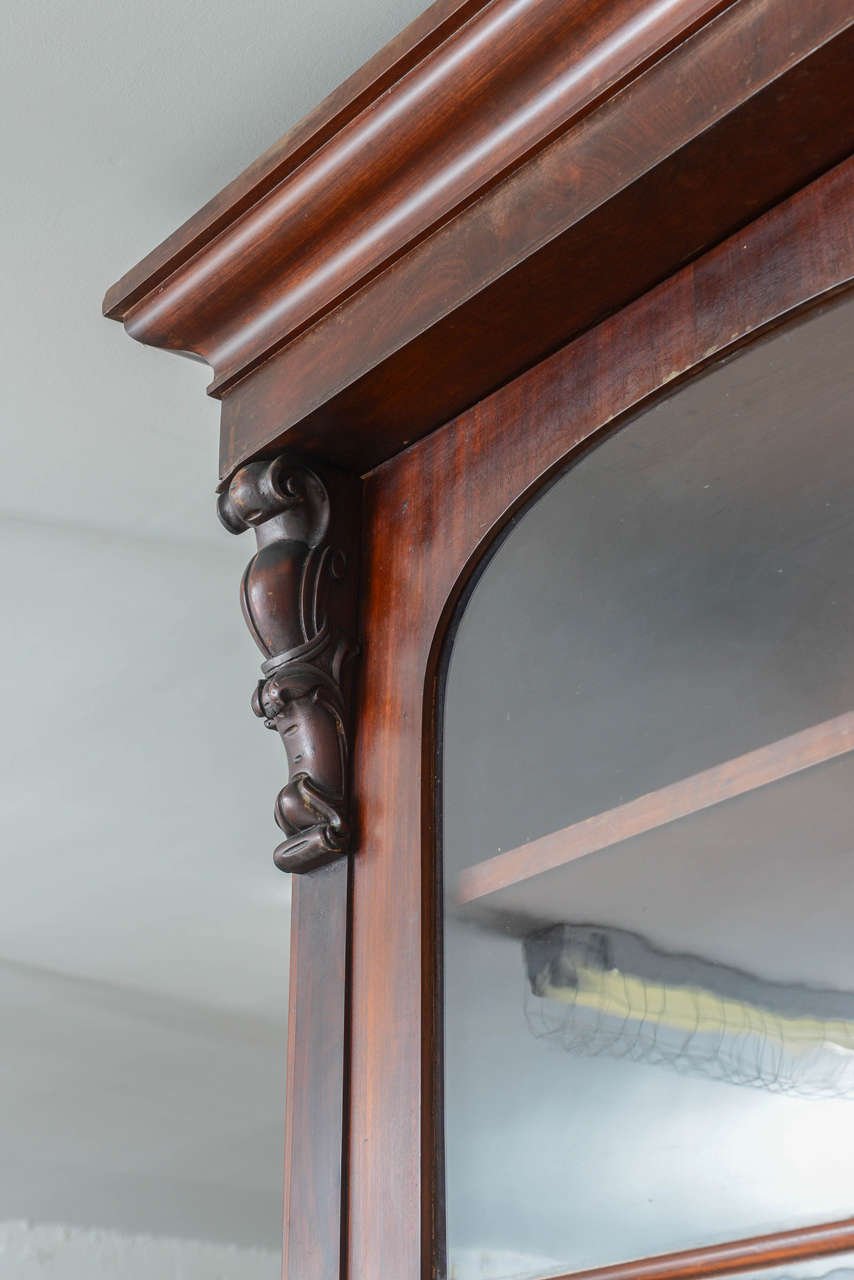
{"x":548,"y":158}
{"x":426,"y":33}
{"x":608,"y":209}
{"x":315,"y":1093}
{"x":431,"y":514}
{"x":507,"y":178}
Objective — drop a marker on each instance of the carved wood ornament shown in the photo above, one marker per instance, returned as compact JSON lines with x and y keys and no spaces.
{"x":299,"y":597}
{"x":508,"y":231}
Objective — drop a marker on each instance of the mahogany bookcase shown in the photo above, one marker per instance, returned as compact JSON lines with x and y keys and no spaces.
{"x":515,"y":226}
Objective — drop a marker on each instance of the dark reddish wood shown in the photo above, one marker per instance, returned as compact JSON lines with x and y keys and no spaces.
{"x":491,"y":92}
{"x":429,"y":30}
{"x":500,"y":179}
{"x":606,"y":211}
{"x":781,"y":1249}
{"x":735,"y":777}
{"x":315,"y":1096}
{"x":299,"y":596}
{"x":540,"y":155}
{"x":431,"y":513}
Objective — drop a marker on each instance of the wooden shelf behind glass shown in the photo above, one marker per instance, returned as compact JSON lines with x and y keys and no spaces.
{"x":527,"y":879}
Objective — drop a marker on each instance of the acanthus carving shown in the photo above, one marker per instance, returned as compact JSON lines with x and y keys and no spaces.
{"x":299,"y":599}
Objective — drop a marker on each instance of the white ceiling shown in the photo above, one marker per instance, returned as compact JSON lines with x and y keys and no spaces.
{"x":143,"y":931}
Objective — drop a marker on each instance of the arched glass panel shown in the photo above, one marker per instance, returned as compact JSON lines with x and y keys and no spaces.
{"x":648,"y":807}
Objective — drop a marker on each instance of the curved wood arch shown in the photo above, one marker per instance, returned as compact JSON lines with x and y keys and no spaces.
{"x":501,"y":178}
{"x":432,"y":516}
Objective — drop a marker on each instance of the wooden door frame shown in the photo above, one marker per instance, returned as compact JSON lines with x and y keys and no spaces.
{"x":501,"y":221}
{"x":431,"y":517}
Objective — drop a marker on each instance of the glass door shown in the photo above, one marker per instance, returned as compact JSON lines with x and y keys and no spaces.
{"x":648,"y":836}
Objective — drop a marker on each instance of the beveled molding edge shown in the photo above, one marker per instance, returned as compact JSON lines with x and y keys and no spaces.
{"x":299,"y":595}
{"x":498,"y":180}
{"x":278,"y":162}
{"x":349,"y":191}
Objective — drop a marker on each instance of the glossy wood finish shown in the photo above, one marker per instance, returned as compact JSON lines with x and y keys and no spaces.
{"x":331,"y":222}
{"x":538,"y":156}
{"x":426,"y":33}
{"x":784,"y":1247}
{"x":299,"y":596}
{"x":431,"y":514}
{"x":315,"y":1095}
{"x":628,"y":202}
{"x":736,"y":777}
{"x":487,"y":78}
{"x":505,"y":175}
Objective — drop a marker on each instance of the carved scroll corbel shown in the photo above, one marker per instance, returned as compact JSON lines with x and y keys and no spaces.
{"x":299,"y":598}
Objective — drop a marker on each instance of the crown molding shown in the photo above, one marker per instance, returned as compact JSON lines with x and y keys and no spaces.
{"x":369,"y":183}
{"x":276,"y":164}
{"x":477,"y":168}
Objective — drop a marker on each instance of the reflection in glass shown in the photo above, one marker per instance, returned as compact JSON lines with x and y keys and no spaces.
{"x":835,"y":1267}
{"x":482,"y":1266}
{"x":598,"y":990}
{"x":648,"y":807}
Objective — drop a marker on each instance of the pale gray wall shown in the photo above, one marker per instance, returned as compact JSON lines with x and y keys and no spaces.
{"x":143,"y":930}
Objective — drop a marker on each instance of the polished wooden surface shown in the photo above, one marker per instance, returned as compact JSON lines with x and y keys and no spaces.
{"x":725,"y":781}
{"x":545,"y":157}
{"x":299,"y":596}
{"x":429,"y":30}
{"x":315,"y":1090}
{"x":431,"y":515}
{"x":504,"y":177}
{"x":608,"y":209}
{"x":466,"y":111}
{"x":781,"y":1249}
{"x":506,"y":79}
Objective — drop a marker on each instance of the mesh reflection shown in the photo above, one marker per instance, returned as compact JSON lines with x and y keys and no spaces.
{"x":601,"y":991}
